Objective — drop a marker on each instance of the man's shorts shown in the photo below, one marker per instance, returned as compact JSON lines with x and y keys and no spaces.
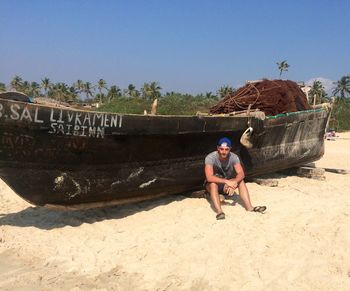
{"x":221,"y":187}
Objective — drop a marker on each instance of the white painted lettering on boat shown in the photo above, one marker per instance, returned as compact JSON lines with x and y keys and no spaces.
{"x":77,"y":119}
{"x":77,"y":123}
{"x":14,"y":111}
{"x":16,"y":114}
{"x":26,"y":115}
{"x":70,"y":116}
{"x":114,"y":119}
{"x":87,"y":118}
{"x":87,"y":131}
{"x":36,"y":119}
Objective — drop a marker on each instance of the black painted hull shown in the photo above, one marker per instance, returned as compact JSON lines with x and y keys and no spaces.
{"x":62,"y":157}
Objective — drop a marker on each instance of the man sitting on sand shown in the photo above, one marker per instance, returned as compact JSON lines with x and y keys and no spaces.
{"x":220,"y":169}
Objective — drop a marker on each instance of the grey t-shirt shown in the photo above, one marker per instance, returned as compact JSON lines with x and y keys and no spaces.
{"x":222,"y":169}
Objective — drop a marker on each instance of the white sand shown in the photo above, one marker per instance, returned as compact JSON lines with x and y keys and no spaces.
{"x":301,"y":243}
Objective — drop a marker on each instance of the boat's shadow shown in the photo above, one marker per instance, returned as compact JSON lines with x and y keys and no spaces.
{"x":45,"y":218}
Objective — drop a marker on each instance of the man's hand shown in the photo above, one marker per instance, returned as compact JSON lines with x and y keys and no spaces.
{"x":232,"y":184}
{"x":228,"y":190}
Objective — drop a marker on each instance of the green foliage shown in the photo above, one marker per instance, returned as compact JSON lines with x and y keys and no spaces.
{"x":226,"y":91}
{"x":16,"y":83}
{"x":45,"y":84}
{"x":127,"y":105}
{"x":184,"y":104}
{"x":318,"y":93}
{"x":172,"y":104}
{"x":79,"y":86}
{"x":61,"y":92}
{"x":2,"y":87}
{"x":114,"y":92}
{"x":101,"y":84}
{"x":340,"y":120}
{"x":151,"y":90}
{"x":343,"y":87}
{"x":131,"y":91}
{"x":88,"y":89}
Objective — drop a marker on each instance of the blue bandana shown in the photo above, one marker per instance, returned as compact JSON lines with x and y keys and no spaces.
{"x":224,"y":142}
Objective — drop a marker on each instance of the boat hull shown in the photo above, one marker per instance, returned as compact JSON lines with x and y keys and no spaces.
{"x":71,"y":158}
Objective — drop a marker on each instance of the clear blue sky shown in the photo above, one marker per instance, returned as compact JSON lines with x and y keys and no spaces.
{"x":187,"y":46}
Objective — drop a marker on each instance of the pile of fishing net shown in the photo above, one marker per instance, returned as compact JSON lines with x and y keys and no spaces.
{"x":270,"y":96}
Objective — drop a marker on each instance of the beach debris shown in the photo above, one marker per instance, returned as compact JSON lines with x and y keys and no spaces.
{"x":308,"y":172}
{"x":270,"y":96}
{"x":265,"y":182}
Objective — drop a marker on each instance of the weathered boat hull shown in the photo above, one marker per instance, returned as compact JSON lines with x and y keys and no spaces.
{"x":69,"y":158}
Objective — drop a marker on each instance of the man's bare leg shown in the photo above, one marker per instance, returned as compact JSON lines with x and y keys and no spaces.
{"x":244,"y":194}
{"x":213,"y":189}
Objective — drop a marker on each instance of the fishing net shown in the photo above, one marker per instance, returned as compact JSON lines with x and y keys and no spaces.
{"x":270,"y":96}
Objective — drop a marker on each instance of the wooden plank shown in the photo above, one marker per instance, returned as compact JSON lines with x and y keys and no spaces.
{"x":337,"y":171}
{"x":331,"y":170}
{"x":309,"y":172}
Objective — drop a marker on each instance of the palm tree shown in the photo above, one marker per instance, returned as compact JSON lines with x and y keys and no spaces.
{"x":60,"y":91}
{"x":25,"y":88}
{"x":45,"y":84}
{"x":71,"y":94}
{"x":226,"y":91}
{"x":53,"y":91}
{"x":16,"y":83}
{"x":88,"y":89}
{"x":101,"y":84}
{"x":146,"y":92}
{"x":2,"y":87}
{"x":282,"y":66}
{"x":317,"y":91}
{"x":155,"y":89}
{"x":130,"y":89}
{"x":343,"y":87}
{"x":34,"y":89}
{"x":113,"y":93}
{"x":151,"y":90}
{"x":209,"y":95}
{"x":132,"y":92}
{"x":100,"y":98}
{"x":79,"y":85}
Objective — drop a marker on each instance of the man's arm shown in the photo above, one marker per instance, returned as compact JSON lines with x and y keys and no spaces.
{"x":239,"y":177}
{"x":210,"y":177}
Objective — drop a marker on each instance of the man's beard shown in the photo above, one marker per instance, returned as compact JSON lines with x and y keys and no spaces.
{"x":223,"y":156}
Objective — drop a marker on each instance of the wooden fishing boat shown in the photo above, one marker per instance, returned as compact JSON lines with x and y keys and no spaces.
{"x":65,"y":157}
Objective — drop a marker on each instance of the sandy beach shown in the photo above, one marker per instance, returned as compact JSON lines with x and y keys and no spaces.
{"x":301,"y":243}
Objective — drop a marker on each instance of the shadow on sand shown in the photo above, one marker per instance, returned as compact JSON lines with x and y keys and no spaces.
{"x":45,"y":218}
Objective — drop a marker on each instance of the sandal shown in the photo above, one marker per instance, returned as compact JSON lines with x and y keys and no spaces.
{"x":220,"y":216}
{"x":260,"y":209}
